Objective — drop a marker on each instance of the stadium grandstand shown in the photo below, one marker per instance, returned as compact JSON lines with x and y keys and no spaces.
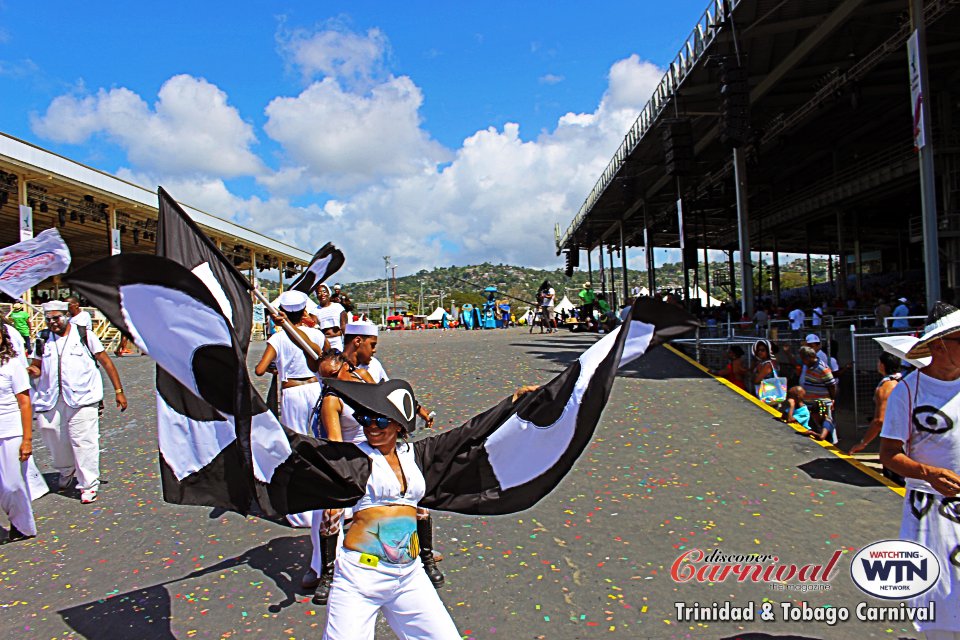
{"x":788,"y":126}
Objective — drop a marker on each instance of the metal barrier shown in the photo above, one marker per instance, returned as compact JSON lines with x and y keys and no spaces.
{"x":866,"y":353}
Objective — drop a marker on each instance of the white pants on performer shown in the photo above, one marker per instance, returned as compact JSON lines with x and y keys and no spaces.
{"x":298,"y":404}
{"x":73,"y":438}
{"x":403,"y":592}
{"x":14,"y":488}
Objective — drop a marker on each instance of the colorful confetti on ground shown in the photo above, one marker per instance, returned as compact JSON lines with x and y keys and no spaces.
{"x":678,"y":463}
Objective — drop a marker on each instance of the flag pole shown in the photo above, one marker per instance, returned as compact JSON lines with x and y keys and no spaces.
{"x":287,"y":326}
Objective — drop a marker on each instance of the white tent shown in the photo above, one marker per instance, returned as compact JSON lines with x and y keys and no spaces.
{"x":437,"y":315}
{"x":564,"y":305}
{"x":705,"y":300}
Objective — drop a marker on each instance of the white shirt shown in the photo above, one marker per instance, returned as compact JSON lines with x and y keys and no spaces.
{"x":924,"y":414}
{"x":817,"y":316}
{"x":332,"y":310}
{"x":548,"y":297}
{"x":80,"y":379}
{"x":13,"y":380}
{"x":376,"y":370}
{"x":82,"y":318}
{"x":383,"y":486}
{"x":18,"y":345}
{"x":291,"y":363}
{"x":797,"y":317}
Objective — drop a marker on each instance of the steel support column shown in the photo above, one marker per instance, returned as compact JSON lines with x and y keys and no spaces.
{"x":743,"y":229}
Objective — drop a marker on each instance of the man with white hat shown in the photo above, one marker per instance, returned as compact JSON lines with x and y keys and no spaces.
{"x":813,"y":341}
{"x":901,"y":312}
{"x":920,"y":440}
{"x":67,"y":396}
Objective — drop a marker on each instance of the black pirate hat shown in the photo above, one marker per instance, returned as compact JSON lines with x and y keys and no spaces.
{"x":392,"y":399}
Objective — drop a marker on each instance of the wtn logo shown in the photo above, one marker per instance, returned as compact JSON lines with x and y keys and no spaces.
{"x":895,"y":569}
{"x":904,"y":570}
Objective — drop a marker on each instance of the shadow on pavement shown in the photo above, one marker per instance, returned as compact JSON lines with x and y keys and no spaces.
{"x":837,"y":470}
{"x":146,"y":613}
{"x":769,"y":636}
{"x":659,"y":364}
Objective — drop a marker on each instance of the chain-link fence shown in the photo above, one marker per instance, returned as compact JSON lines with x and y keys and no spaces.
{"x":866,"y":354}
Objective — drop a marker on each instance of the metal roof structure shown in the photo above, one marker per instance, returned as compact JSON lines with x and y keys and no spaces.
{"x":90,"y":199}
{"x":831,"y":157}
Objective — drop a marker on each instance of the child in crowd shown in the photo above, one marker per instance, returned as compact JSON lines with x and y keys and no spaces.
{"x":821,"y":422}
{"x":794,"y":409}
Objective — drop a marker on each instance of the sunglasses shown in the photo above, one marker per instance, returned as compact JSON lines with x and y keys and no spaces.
{"x":370,"y":421}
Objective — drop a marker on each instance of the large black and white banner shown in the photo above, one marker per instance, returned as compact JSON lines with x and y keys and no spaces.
{"x":509,"y":457}
{"x":181,"y":240}
{"x":222,"y":448}
{"x":326,"y":262}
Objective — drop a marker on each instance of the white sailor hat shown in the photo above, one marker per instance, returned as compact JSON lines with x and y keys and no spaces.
{"x":54,"y":305}
{"x":360,"y":328}
{"x":292,"y":300}
{"x":328,"y":323}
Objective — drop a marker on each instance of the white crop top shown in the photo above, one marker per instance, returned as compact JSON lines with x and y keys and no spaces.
{"x":350,"y":429}
{"x":383,"y":486}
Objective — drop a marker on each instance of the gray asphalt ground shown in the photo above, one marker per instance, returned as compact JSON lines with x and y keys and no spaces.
{"x":678,"y":462}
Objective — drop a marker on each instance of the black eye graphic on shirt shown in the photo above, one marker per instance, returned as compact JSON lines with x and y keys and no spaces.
{"x":932,"y":420}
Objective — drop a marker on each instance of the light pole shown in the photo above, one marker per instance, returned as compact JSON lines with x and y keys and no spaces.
{"x":386,"y":279}
{"x":394,"y":269}
{"x":421,"y":297}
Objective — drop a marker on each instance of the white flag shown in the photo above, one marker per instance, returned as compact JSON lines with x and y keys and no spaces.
{"x":28,"y":263}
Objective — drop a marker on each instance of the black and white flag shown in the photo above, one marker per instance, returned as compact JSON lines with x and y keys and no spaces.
{"x":509,"y":457}
{"x":231,"y":449}
{"x":181,"y":240}
{"x":326,"y":262}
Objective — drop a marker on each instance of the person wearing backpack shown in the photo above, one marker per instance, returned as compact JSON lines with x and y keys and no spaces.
{"x":67,"y":396}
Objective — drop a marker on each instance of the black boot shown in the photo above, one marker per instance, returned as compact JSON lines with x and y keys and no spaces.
{"x":425,"y":535}
{"x":15,"y":535}
{"x":328,"y":555}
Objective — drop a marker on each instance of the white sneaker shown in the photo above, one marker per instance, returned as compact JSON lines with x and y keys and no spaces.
{"x":88,"y":496}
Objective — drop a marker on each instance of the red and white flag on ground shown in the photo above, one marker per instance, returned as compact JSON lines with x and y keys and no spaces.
{"x":30,"y":262}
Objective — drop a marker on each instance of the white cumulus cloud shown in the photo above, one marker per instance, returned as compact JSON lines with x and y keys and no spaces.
{"x":191,"y":128}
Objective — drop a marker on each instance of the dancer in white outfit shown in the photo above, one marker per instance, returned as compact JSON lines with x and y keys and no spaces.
{"x":16,"y":440}
{"x":299,"y":386}
{"x":379,"y":568}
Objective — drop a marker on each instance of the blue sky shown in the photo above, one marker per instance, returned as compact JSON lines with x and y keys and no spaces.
{"x":442,"y":133}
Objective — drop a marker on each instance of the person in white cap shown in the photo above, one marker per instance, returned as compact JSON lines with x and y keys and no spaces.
{"x":813,"y":341}
{"x":330,"y":327}
{"x":900,"y":313}
{"x":299,"y":386}
{"x":16,"y":440}
{"x":67,"y":396}
{"x":920,"y":440}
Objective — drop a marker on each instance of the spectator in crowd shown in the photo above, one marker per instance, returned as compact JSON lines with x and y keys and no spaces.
{"x":794,"y":408}
{"x":881,"y":311}
{"x":341,"y":298}
{"x":813,"y":341}
{"x":761,"y":321}
{"x":816,"y":316}
{"x":20,"y":318}
{"x":818,"y":383}
{"x":587,"y":300}
{"x":764,"y":366}
{"x":888,"y":366}
{"x":901,"y":313}
{"x":821,"y":422}
{"x":797,"y":319}
{"x":735,"y":372}
{"x":77,"y":315}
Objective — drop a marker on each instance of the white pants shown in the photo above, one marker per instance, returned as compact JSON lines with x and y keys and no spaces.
{"x":298,"y":404}
{"x":14,"y":489}
{"x":73,"y":438}
{"x":403,"y":592}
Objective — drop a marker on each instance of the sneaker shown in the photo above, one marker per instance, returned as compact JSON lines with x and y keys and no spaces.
{"x":66,"y":482}
{"x":88,"y":496}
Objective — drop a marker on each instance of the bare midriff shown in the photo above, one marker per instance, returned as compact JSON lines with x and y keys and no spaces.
{"x":388,"y":532}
